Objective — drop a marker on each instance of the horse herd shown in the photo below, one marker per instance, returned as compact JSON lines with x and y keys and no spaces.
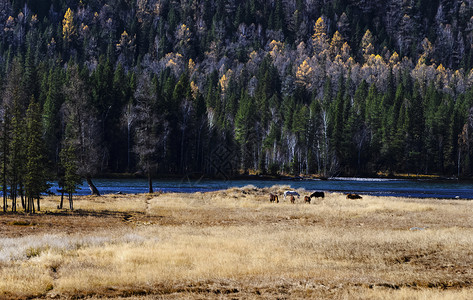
{"x":307,"y":199}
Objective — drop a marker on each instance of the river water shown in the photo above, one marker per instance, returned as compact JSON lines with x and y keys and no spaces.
{"x":443,"y":189}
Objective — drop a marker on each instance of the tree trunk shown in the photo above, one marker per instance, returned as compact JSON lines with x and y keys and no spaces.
{"x":4,"y":169}
{"x":22,"y":196}
{"x":13,"y":191}
{"x":92,"y":187}
{"x":30,"y":205}
{"x":62,"y":199}
{"x":37,"y":200}
{"x":71,"y":203}
{"x":128,"y":151}
{"x":458,"y":164}
{"x":150,"y":183}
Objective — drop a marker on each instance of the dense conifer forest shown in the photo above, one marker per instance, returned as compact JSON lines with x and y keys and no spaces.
{"x":224,"y":87}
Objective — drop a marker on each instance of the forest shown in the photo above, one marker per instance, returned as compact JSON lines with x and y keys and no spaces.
{"x":224,"y":87}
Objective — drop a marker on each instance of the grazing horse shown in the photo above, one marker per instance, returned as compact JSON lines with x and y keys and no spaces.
{"x":291,"y":193}
{"x":293,"y":200}
{"x":273,"y":198}
{"x":317,"y":195}
{"x":354,"y":196}
{"x":307,"y":199}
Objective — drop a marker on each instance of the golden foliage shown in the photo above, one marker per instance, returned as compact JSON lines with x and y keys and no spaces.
{"x":442,"y":76}
{"x":345,"y":51}
{"x":9,"y":24}
{"x":394,"y":59}
{"x":125,"y":41}
{"x":336,"y":44}
{"x":276,"y":48}
{"x":426,"y":53}
{"x":68,"y":29}
{"x":191,"y":66}
{"x":367,"y":44}
{"x":34,"y":20}
{"x":304,"y":74}
{"x":253,"y":55}
{"x":194,"y":89}
{"x":225,"y":79}
{"x":176,"y":62}
{"x":183,"y":34}
{"x":320,"y":38}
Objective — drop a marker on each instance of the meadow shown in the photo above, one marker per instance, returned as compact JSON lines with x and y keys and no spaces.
{"x":236,"y":244}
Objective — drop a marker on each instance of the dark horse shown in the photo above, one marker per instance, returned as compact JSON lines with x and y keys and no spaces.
{"x":354,"y":196}
{"x":317,"y":195}
{"x":307,"y":199}
{"x":273,"y":198}
{"x":293,"y":200}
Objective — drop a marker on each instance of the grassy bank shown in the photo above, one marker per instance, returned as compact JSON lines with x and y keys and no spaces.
{"x":235,"y":243}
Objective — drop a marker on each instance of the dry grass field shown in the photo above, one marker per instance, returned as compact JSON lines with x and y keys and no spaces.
{"x":235,"y":244}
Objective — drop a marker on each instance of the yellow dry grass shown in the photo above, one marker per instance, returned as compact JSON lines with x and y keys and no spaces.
{"x":235,"y":244}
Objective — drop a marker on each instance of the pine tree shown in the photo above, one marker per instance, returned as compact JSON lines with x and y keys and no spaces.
{"x":5,"y":131}
{"x":36,"y":181}
{"x":69,"y":162}
{"x":17,"y":151}
{"x":51,"y":109}
{"x":244,"y":130}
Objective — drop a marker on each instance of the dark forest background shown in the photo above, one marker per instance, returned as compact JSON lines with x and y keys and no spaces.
{"x":165,"y":87}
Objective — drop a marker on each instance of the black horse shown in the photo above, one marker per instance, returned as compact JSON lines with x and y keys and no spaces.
{"x":317,"y":195}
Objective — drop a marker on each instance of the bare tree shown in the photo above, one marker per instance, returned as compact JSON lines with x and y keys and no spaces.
{"x":127,"y":119}
{"x":150,"y":131}
{"x":86,"y":127}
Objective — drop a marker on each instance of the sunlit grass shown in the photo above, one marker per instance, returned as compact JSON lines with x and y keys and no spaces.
{"x":236,"y":241}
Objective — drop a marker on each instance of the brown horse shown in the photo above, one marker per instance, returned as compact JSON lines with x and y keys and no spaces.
{"x":354,"y":196}
{"x":307,"y":199}
{"x":293,"y":200}
{"x":273,"y":198}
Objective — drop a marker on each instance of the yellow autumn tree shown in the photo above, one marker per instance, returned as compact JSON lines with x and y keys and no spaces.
{"x":367,"y":45}
{"x":68,"y":29}
{"x":394,"y":59}
{"x":427,"y":51}
{"x":10,"y":24}
{"x":191,"y":66}
{"x":183,"y":38}
{"x":124,"y":41}
{"x":194,"y":89}
{"x":320,"y":39}
{"x":345,"y":52}
{"x":442,"y":77}
{"x":275,"y":48}
{"x":224,"y":80}
{"x":304,"y":74}
{"x":336,"y":44}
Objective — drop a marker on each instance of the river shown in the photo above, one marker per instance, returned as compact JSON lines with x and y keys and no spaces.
{"x":425,"y":188}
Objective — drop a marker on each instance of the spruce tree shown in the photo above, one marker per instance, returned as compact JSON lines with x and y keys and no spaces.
{"x":69,"y":162}
{"x":36,"y":181}
{"x":4,"y":148}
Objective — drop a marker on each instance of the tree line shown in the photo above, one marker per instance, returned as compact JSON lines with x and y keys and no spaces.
{"x":225,"y":88}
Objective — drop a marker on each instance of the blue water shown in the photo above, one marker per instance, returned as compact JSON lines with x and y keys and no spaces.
{"x":447,"y":189}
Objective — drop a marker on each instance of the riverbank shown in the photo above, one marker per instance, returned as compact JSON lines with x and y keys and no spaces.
{"x":254,"y":175}
{"x":235,"y":244}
